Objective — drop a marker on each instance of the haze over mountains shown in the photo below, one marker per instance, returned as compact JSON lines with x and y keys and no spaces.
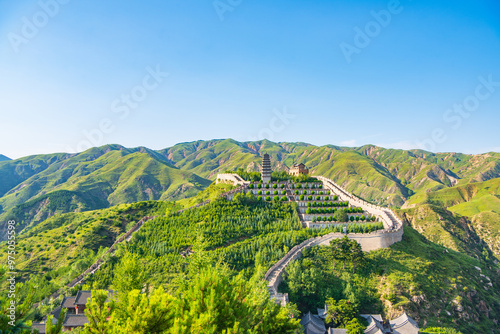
{"x":34,"y":188}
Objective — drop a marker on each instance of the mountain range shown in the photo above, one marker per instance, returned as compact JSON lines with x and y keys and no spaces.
{"x":458,"y":192}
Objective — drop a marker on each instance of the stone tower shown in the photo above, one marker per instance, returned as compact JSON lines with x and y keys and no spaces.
{"x":266,"y":169}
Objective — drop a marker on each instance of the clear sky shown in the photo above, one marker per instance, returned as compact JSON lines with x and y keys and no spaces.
{"x":402,"y":74}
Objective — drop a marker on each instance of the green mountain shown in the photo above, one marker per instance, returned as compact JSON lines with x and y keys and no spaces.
{"x":38,"y":187}
{"x":3,"y":158}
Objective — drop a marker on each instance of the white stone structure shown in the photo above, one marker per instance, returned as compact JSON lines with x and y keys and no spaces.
{"x":231,"y":178}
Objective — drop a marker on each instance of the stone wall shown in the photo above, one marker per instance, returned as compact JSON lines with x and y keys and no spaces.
{"x":368,"y":241}
{"x":231,"y":178}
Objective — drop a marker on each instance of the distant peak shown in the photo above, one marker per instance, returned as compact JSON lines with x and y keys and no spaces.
{"x":4,"y":158}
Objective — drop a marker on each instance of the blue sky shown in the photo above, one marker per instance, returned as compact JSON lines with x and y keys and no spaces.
{"x":82,"y":75}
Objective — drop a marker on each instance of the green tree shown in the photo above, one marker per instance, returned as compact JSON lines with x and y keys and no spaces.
{"x":13,"y":319}
{"x":340,"y":216}
{"x":340,"y":312}
{"x":51,"y":328}
{"x":129,"y":274}
{"x":355,"y":255}
{"x":144,"y":313}
{"x":355,"y":326}
{"x":98,"y":311}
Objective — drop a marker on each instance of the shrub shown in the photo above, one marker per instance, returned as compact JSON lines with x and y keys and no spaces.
{"x":328,"y":192}
{"x":259,"y":185}
{"x":309,"y":198}
{"x":283,"y":192}
{"x":357,"y":218}
{"x":259,"y":192}
{"x":299,"y":186}
{"x":301,"y":197}
{"x":275,"y":192}
{"x":296,"y":192}
{"x":268,"y":192}
{"x":312,"y":192}
{"x":308,"y":204}
{"x":284,"y":198}
{"x":320,"y":193}
{"x":259,"y":198}
{"x":282,"y":186}
{"x":334,"y":197}
{"x":275,"y":186}
{"x":330,"y":218}
{"x":318,"y":198}
{"x":305,"y":192}
{"x":320,"y":186}
{"x":308,"y":211}
{"x":267,"y":185}
{"x":351,"y":218}
{"x":373,"y":218}
{"x":268,"y":198}
{"x":250,"y":186}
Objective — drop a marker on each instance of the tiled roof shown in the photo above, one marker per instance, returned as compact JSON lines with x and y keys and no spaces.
{"x":75,"y":320}
{"x":82,"y":296}
{"x":337,"y":331}
{"x":404,"y":325}
{"x":40,"y":327}
{"x":312,"y":324}
{"x":68,"y":302}
{"x":375,"y":325}
{"x":56,"y":312}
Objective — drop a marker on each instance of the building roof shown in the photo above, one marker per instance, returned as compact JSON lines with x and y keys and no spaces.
{"x":404,"y":325}
{"x":56,"y":312}
{"x":375,"y":326}
{"x":299,"y":165}
{"x":312,"y":324}
{"x":68,"y":302}
{"x":337,"y":331}
{"x":40,"y":327}
{"x":75,"y":320}
{"x":82,"y":296}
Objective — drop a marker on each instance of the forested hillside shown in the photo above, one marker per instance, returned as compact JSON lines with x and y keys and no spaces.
{"x":37,"y":187}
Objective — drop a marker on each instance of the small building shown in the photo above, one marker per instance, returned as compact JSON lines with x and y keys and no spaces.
{"x":313,"y":324}
{"x":298,"y":169}
{"x":81,"y":300}
{"x":75,"y":316}
{"x":404,"y":325}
